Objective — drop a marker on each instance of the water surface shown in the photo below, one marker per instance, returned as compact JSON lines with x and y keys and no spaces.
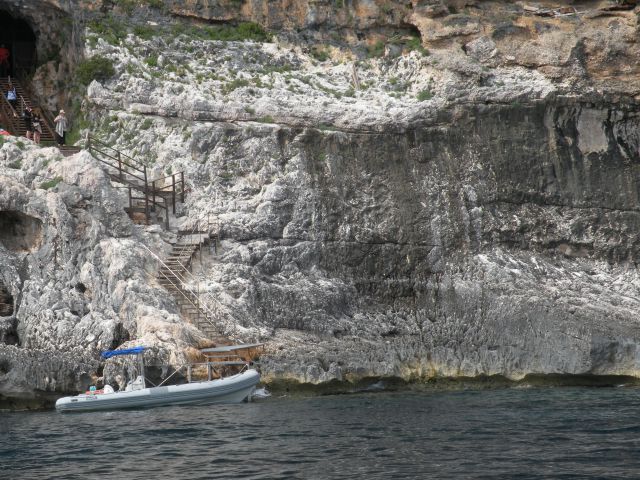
{"x":511,"y":433}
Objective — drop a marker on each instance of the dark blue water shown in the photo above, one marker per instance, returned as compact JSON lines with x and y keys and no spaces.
{"x":519,"y":433}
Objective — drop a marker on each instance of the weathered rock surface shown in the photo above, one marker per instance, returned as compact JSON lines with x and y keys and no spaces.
{"x":473,"y":211}
{"x":73,"y":264}
{"x":478,"y":232}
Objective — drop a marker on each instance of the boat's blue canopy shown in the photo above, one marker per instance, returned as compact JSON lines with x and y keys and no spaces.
{"x":126,"y":351}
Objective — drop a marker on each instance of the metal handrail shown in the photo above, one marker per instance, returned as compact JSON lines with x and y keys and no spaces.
{"x":178,"y":368}
{"x":135,"y":165}
{"x":202,"y":308}
{"x":173,"y":177}
{"x":196,"y":230}
{"x":45,"y":115}
{"x":173,"y":190}
{"x":183,"y":286}
{"x":140,"y":166}
{"x":114,"y":166}
{"x":9,"y":114}
{"x":149,"y":188}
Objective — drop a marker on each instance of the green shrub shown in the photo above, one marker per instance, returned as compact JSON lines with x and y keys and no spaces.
{"x":110,"y":29}
{"x":128,"y":6}
{"x":376,"y":50}
{"x":144,"y":31}
{"x":20,"y":144}
{"x":159,"y":4}
{"x":152,"y":61}
{"x":277,"y":68}
{"x":266,"y":119}
{"x":320,"y":53}
{"x":252,"y":31}
{"x":17,"y":164}
{"x":50,"y":183}
{"x":229,"y":33}
{"x":237,"y":83}
{"x":415,"y":43}
{"x":94,"y":68}
{"x":425,"y":95}
{"x":146,"y":125}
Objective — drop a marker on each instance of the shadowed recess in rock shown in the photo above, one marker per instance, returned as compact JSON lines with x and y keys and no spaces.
{"x":6,"y":301}
{"x":19,"y":232}
{"x":18,"y":37}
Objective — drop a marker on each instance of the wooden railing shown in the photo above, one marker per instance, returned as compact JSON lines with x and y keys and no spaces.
{"x":22,"y":84}
{"x":204,"y":236}
{"x":129,"y":171}
{"x":179,"y":280}
{"x":174,"y":190}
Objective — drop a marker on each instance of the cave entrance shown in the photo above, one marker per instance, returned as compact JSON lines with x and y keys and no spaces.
{"x":6,"y":301}
{"x":19,"y":39}
{"x":19,"y":232}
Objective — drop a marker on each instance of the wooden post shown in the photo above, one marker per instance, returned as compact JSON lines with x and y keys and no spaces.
{"x":153,"y":193}
{"x":130,"y":202}
{"x":119,"y":165}
{"x":182,"y":182}
{"x":173,"y":192}
{"x":141,"y":366}
{"x":146,"y":195}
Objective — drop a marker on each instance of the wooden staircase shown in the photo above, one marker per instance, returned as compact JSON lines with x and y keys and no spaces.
{"x":68,"y":150}
{"x":175,"y":275}
{"x":148,"y":201}
{"x":12,"y":118}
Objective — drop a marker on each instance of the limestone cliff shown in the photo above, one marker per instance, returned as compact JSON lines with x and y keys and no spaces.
{"x":463,"y":206}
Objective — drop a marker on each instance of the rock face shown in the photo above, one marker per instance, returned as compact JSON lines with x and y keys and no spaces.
{"x":72,"y":266}
{"x":470,"y":209}
{"x":477,"y":232}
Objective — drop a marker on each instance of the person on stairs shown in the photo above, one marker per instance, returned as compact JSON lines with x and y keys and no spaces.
{"x":27,"y":117}
{"x":61,"y":127}
{"x":5,"y":67}
{"x":12,"y":96}
{"x":36,"y":122}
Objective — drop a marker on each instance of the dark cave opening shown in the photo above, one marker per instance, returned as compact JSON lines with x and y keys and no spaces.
{"x":19,"y":232}
{"x":120,"y":336}
{"x":17,"y":36}
{"x":6,"y":301}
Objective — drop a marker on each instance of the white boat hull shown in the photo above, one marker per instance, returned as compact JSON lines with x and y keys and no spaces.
{"x":232,"y":389}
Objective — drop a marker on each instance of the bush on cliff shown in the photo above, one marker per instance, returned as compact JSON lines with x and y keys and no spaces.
{"x":111,"y":29}
{"x":94,"y":68}
{"x":228,"y":33}
{"x":50,"y":183}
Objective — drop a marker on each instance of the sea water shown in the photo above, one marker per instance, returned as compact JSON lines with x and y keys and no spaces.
{"x":510,"y":433}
